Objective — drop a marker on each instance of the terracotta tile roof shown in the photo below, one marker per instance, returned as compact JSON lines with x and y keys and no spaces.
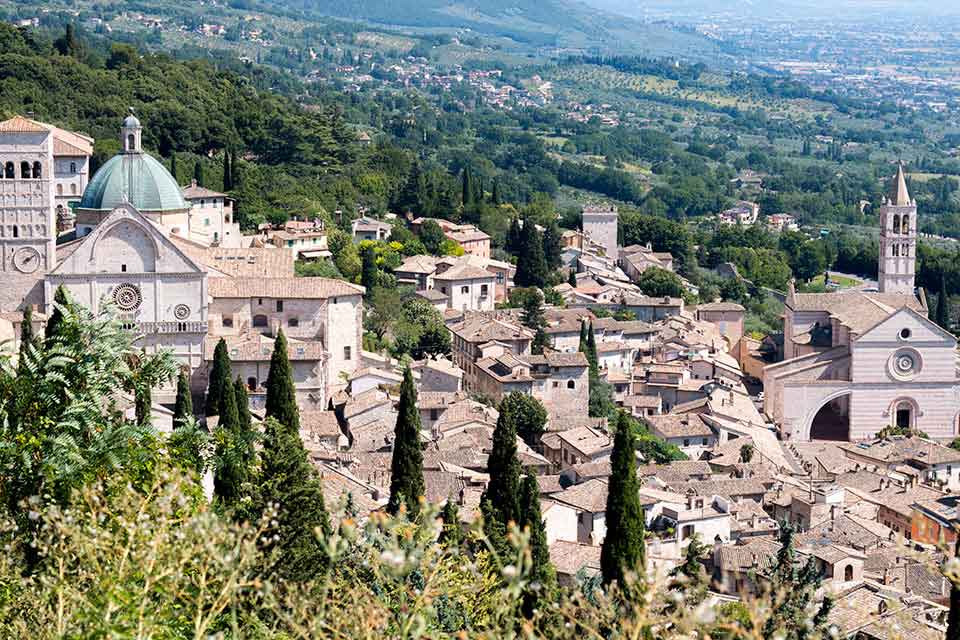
{"x":319,"y":424}
{"x":259,"y":348}
{"x":240,"y":263}
{"x":64,"y":148}
{"x":289,"y":288}
{"x":195,"y":192}
{"x":857,"y":310}
{"x":687,"y":425}
{"x":756,"y":554}
{"x":19,"y":124}
{"x":480,"y":329}
{"x":720,"y":306}
{"x":418,"y":264}
{"x":589,"y":496}
{"x":464,"y":272}
{"x":570,"y":557}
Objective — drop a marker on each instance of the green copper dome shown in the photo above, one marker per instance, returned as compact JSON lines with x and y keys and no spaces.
{"x":136,"y":178}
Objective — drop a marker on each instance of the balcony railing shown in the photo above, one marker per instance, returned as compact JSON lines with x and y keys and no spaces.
{"x":149,"y":328}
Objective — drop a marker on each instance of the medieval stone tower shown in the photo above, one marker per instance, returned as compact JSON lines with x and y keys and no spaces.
{"x":898,"y":238}
{"x":600,"y":222}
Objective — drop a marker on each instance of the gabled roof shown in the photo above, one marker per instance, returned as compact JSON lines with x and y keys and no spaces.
{"x":19,"y":124}
{"x":307,"y":288}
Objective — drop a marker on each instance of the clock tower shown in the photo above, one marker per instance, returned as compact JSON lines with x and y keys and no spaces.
{"x":27,"y":208}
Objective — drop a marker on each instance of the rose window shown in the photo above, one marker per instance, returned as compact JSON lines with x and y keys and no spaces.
{"x":127,"y":297}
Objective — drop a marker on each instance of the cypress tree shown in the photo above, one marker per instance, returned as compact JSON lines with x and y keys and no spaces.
{"x":583,"y":337}
{"x":183,"y":406}
{"x":406,"y":467}
{"x":198,"y":174}
{"x":953,"y":620}
{"x":623,"y":549}
{"x":542,"y":575}
{"x":514,"y":237}
{"x":503,"y":467}
{"x":289,"y":481}
{"x":943,"y":305}
{"x":792,"y":589}
{"x":467,"y":195}
{"x":173,"y":166}
{"x":601,"y":395}
{"x":451,"y":534}
{"x":495,"y":194}
{"x":55,"y":322}
{"x":533,"y":318}
{"x":572,"y":278}
{"x":227,"y":172}
{"x":281,"y":401}
{"x":551,"y":246}
{"x":243,"y":405}
{"x":592,"y":351}
{"x":531,"y":265}
{"x":26,"y":326}
{"x":219,"y":378}
{"x":368,"y":271}
{"x":232,"y":459}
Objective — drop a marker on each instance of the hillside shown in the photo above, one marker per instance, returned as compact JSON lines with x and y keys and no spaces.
{"x":564,"y":23}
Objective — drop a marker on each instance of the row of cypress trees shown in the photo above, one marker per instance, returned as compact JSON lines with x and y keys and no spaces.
{"x":273,"y":482}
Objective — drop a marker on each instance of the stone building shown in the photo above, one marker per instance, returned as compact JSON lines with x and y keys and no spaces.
{"x":859,"y":361}
{"x":600,"y":223}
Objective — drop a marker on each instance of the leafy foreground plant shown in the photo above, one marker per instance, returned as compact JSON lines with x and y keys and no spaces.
{"x":159,"y":563}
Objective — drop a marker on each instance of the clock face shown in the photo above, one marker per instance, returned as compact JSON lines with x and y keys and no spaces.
{"x":26,"y":260}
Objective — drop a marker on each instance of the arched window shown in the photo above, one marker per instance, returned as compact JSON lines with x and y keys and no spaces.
{"x":37,"y":170}
{"x":848,"y":573}
{"x":131,"y":142}
{"x":260,"y":321}
{"x":896,"y":250}
{"x":896,"y":223}
{"x":59,"y":189}
{"x":24,"y":169}
{"x":571,"y":384}
{"x":73,"y":189}
{"x":905,"y":225}
{"x":252,"y":384}
{"x":9,"y":171}
{"x":73,"y":167}
{"x":16,"y":231}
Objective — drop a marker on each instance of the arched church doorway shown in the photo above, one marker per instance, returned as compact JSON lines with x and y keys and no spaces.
{"x":832,"y":421}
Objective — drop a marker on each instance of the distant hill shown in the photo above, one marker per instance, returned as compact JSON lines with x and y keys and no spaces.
{"x":785,"y":9}
{"x":567,"y":23}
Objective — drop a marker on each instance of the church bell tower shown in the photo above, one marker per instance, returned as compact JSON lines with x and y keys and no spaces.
{"x":898,"y":238}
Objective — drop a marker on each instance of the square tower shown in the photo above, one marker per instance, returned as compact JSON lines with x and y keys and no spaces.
{"x":600,"y":223}
{"x":898,"y":238}
{"x":27,"y":222}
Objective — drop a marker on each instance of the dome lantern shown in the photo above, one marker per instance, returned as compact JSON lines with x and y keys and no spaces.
{"x":130,"y":134}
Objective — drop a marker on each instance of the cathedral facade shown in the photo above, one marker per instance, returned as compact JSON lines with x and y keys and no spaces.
{"x":859,"y":361}
{"x":175,"y":287}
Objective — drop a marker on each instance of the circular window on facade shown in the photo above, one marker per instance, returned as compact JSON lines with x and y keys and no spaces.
{"x":905,"y":364}
{"x":181,"y":312}
{"x":905,"y":334}
{"x":127,"y":297}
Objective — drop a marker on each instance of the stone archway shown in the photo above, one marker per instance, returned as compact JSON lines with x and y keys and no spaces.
{"x":831,"y":420}
{"x":904,"y":412}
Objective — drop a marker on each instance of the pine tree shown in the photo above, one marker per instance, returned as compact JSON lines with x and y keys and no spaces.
{"x":243,"y":405}
{"x":943,"y":305}
{"x":953,"y":619}
{"x":183,"y":406}
{"x":690,"y":577}
{"x":198,"y":174}
{"x":289,"y":482}
{"x":61,"y":300}
{"x":531,"y":265}
{"x":503,"y":467}
{"x":220,"y":378}
{"x":551,"y":246}
{"x":281,"y":403}
{"x":792,"y":590}
{"x":533,"y":319}
{"x":406,"y":467}
{"x":451,"y":534}
{"x":542,"y":575}
{"x":624,"y":549}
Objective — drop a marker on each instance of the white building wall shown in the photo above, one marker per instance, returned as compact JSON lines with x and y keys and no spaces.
{"x":27,"y":219}
{"x":469,"y":295}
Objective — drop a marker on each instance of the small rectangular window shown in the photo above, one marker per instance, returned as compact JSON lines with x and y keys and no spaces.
{"x":279,"y":306}
{"x":346,"y":353}
{"x":465,"y":290}
{"x":293,"y":322}
{"x":123,"y":268}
